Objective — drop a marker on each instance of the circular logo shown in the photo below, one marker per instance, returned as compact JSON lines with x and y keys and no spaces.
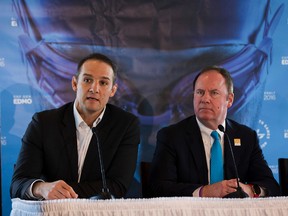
{"x":263,"y":133}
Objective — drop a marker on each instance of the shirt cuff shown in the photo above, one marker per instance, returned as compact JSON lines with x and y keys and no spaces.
{"x":196,"y":193}
{"x":29,"y":192}
{"x":262,"y":193}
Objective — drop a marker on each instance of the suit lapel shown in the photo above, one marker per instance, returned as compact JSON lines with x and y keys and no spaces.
{"x":70,"y":140}
{"x":104,"y":130}
{"x":91,"y":167}
{"x":228,"y":159}
{"x":196,"y":146}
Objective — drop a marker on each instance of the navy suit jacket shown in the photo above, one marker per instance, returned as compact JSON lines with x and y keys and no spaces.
{"x":179,"y":165}
{"x":49,"y":152}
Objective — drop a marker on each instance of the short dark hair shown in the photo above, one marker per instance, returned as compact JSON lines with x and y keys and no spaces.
{"x":99,"y":57}
{"x":222,"y":71}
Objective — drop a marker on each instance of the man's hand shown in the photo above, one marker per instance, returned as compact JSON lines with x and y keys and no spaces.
{"x":247,"y":189}
{"x":53,"y":190}
{"x":220,"y":189}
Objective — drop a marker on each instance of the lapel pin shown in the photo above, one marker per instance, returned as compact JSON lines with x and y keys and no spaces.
{"x":237,"y":142}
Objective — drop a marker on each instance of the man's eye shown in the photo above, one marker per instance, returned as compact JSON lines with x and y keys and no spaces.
{"x":200,"y":92}
{"x":103,"y":83}
{"x":87,"y":80}
{"x":214,"y":93}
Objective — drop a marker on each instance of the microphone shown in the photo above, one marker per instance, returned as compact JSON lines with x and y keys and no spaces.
{"x":105,"y":193}
{"x":239,"y":193}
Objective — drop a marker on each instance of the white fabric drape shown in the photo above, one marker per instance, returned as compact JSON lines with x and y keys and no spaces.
{"x":184,"y":206}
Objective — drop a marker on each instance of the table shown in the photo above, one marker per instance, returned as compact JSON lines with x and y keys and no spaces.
{"x":183,"y":206}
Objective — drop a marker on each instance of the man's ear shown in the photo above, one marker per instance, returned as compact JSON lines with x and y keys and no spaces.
{"x":230,"y":100}
{"x":74,"y":83}
{"x":114,"y":89}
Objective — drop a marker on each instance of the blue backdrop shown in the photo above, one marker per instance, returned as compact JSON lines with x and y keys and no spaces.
{"x":159,"y":46}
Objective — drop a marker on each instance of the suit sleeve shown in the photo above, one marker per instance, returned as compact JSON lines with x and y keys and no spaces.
{"x":28,"y":166}
{"x":168,"y":177}
{"x":258,"y":171}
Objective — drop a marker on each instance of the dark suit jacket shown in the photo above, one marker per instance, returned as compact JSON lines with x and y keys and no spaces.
{"x":179,"y":164}
{"x":49,"y":152}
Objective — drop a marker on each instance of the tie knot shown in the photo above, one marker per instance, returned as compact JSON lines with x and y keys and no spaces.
{"x":215,"y":135}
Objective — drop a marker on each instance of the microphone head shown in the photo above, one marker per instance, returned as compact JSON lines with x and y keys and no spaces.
{"x":103,"y":196}
{"x":221,"y":128}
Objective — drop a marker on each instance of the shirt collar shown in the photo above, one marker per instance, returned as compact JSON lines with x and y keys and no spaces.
{"x":207,"y":130}
{"x":79,"y":121}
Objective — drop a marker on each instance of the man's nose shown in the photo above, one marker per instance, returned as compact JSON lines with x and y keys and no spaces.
{"x":95,"y":87}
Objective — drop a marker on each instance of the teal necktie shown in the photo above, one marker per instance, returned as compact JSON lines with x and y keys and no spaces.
{"x":216,"y":160}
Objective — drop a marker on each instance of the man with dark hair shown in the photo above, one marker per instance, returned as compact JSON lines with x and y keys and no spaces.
{"x":59,"y":156}
{"x":185,"y":161}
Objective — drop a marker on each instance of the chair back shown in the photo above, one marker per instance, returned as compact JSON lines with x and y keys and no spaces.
{"x":283,"y":175}
{"x":145,"y":175}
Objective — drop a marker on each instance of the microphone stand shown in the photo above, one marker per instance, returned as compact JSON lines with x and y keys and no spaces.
{"x":105,"y":193}
{"x":239,"y":193}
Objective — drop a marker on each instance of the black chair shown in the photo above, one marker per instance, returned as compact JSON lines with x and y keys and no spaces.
{"x":283,"y":175}
{"x":145,"y":175}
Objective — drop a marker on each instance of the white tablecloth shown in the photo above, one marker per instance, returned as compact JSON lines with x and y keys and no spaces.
{"x":184,"y":206}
